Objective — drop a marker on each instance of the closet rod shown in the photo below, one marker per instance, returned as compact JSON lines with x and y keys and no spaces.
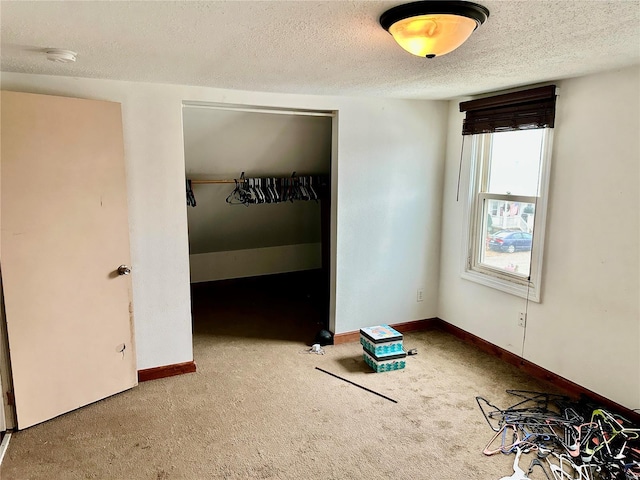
{"x":213,"y":181}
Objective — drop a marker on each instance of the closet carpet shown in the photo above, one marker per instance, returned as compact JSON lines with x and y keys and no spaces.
{"x":258,"y":409}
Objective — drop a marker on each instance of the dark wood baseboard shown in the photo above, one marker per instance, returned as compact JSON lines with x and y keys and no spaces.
{"x":418,"y":325}
{"x":404,"y":327}
{"x":346,"y":337}
{"x":569,"y":388}
{"x":166,"y":371}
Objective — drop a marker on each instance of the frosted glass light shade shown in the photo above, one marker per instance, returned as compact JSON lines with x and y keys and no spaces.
{"x":432,"y":28}
{"x":432,"y":35}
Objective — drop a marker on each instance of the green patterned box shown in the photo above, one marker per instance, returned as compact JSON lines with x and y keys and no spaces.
{"x":386,"y":363}
{"x":381,"y":340}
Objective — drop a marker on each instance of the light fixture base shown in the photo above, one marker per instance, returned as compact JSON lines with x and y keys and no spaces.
{"x":465,"y":9}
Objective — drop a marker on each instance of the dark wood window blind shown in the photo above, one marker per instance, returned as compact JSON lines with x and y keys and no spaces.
{"x":526,"y":109}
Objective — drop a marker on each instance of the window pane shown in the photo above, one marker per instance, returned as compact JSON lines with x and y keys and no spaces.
{"x":508,"y":232}
{"x":514,"y":166}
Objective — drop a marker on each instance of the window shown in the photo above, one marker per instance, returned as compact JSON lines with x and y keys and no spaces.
{"x":508,"y":183}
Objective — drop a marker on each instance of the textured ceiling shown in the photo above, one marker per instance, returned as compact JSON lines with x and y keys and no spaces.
{"x":315,"y":47}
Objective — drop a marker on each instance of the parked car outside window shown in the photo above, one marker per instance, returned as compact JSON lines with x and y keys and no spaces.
{"x":510,"y":241}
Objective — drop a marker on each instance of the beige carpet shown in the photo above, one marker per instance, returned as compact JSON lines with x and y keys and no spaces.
{"x":258,"y":409}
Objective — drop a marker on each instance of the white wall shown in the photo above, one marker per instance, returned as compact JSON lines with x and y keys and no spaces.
{"x":587,"y":326}
{"x":253,"y":262}
{"x":387,"y":171}
{"x":389,"y":210}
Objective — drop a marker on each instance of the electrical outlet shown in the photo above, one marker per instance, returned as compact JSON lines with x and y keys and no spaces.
{"x":522,"y":319}
{"x":420,"y":295}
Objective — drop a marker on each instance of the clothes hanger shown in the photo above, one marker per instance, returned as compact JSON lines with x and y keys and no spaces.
{"x":518,"y":473}
{"x":314,"y":194}
{"x":191,"y":199}
{"x":503,"y":448}
{"x":537,"y":463}
{"x":291,"y":191}
{"x":303,"y":189}
{"x":254,"y":193}
{"x":244,"y":190}
{"x":233,"y":194}
{"x":238,"y":196}
{"x":261,"y":196}
{"x":271,"y":186}
{"x":268,"y":198}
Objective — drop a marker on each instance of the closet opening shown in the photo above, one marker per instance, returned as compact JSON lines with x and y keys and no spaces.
{"x":260,"y":207}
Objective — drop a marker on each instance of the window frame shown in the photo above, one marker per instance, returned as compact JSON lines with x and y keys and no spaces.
{"x":473,"y":235}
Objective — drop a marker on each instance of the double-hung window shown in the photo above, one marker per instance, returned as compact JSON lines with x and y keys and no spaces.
{"x":508,"y":182}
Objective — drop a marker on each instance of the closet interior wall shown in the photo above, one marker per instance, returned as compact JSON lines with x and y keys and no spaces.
{"x":235,"y":241}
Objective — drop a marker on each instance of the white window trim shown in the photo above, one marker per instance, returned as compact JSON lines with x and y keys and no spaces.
{"x":499,"y":280}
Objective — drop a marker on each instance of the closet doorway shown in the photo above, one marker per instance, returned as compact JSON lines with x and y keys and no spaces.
{"x":261,"y":228}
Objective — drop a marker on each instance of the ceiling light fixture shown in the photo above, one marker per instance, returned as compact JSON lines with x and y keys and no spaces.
{"x":431,"y":28}
{"x":61,"y":56}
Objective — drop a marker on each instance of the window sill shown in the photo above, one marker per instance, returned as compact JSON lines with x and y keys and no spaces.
{"x":529,"y":292}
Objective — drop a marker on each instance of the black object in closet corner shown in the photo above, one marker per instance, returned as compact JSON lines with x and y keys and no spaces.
{"x":191,"y":198}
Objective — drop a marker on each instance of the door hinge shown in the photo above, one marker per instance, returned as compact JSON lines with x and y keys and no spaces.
{"x":11,"y":399}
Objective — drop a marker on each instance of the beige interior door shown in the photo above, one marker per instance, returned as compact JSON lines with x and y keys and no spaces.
{"x":64,"y":235}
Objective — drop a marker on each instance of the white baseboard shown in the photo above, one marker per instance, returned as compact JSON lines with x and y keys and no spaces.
{"x":207,"y":267}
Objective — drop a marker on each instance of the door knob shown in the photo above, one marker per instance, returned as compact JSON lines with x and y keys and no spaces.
{"x":124,"y":270}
